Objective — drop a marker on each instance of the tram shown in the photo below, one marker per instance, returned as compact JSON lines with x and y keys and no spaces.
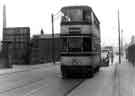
{"x":80,"y":36}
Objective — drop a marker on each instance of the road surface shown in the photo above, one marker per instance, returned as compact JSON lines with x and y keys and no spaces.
{"x":116,"y":80}
{"x":36,"y":82}
{"x":45,"y":80}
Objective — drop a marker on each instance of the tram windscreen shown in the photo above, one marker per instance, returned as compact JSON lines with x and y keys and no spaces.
{"x":76,"y":15}
{"x":75,"y":44}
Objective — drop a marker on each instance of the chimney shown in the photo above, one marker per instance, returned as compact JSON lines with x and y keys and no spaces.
{"x":4,"y":16}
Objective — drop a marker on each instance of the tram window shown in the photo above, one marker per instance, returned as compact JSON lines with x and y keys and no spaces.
{"x":74,"y":44}
{"x":87,"y":44}
{"x":87,"y":17}
{"x":72,"y":15}
{"x":97,"y":26}
{"x":64,"y":44}
{"x":96,"y":45}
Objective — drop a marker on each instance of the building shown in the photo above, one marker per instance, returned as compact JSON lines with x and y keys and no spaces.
{"x":16,"y":44}
{"x":43,"y":48}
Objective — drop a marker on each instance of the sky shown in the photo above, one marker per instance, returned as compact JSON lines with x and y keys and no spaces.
{"x":36,"y":14}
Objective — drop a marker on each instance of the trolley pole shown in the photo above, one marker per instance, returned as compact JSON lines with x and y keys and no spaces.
{"x":53,"y":49}
{"x":119,"y":38}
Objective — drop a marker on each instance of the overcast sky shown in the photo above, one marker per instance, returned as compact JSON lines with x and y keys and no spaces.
{"x":37,"y":14}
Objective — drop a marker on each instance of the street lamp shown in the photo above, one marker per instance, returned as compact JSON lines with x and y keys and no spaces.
{"x":122,"y":42}
{"x":53,"y":44}
{"x":53,"y":38}
{"x":119,"y":38}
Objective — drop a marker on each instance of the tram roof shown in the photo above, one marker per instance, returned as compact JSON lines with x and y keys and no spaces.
{"x":77,"y":7}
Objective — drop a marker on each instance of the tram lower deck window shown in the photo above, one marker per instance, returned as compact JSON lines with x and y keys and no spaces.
{"x":64,"y":44}
{"x":87,"y":44}
{"x":76,"y":44}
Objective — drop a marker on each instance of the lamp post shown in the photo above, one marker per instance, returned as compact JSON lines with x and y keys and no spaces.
{"x":53,"y":37}
{"x":119,"y":35}
{"x":122,"y":42}
{"x":53,"y":42}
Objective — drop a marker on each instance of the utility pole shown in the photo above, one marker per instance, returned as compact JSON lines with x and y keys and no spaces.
{"x":122,"y":49}
{"x":53,"y":42}
{"x":119,"y":37}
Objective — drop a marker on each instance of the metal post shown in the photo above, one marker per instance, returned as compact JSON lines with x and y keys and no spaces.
{"x":119,"y":38}
{"x":53,"y":49}
{"x":122,"y":50}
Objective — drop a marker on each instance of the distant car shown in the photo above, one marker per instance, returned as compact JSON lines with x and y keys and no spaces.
{"x":105,"y":57}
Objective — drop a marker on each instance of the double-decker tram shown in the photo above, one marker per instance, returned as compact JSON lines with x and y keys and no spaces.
{"x":80,"y":36}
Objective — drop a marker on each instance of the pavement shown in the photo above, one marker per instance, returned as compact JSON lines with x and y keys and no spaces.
{"x":116,"y":80}
{"x":125,"y":79}
{"x":21,"y":68}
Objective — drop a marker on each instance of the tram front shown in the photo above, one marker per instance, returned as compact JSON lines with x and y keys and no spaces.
{"x":77,"y":53}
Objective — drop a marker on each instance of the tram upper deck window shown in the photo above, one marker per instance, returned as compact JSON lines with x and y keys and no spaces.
{"x":87,"y":17}
{"x":70,"y":15}
{"x":76,"y":15}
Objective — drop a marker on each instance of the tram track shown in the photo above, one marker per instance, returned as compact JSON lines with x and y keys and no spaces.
{"x":22,"y":84}
{"x":73,"y":88}
{"x":39,"y":82}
